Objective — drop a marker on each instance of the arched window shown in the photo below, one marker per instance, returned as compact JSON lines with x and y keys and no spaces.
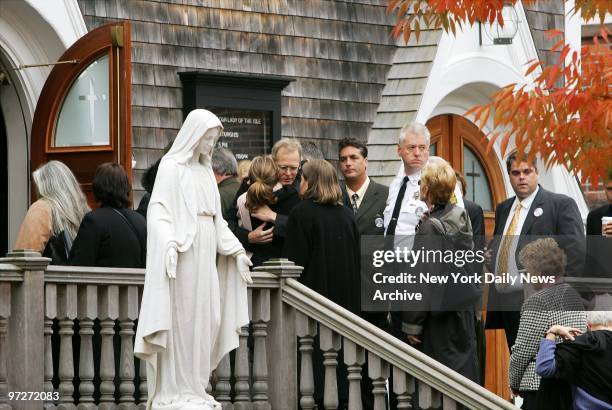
{"x":478,"y":186}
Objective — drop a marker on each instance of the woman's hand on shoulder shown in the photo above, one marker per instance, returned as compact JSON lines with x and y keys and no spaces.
{"x":243,"y":262}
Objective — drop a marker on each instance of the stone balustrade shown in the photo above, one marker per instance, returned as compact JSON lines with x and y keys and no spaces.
{"x":69,"y":331}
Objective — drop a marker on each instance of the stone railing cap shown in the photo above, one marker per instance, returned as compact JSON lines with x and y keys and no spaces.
{"x":282,"y":267}
{"x":26,"y":259}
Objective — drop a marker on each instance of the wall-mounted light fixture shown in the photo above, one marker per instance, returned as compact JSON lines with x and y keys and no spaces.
{"x":498,"y":34}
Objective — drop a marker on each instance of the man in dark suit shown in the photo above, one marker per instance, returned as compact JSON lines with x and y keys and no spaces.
{"x":519,"y":220}
{"x":476,"y":215}
{"x":360,"y":194}
{"x":599,"y":237}
{"x":367,"y":200}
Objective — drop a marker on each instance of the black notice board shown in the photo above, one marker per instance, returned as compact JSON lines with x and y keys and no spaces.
{"x":247,"y":133}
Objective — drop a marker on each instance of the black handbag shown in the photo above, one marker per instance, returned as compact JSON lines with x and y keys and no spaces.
{"x":58,"y":249}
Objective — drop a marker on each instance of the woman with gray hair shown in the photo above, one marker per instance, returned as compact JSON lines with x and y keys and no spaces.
{"x":53,"y":221}
{"x":555,"y":302}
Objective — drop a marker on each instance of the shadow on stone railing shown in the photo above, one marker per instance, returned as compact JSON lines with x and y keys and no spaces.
{"x":68,"y":332}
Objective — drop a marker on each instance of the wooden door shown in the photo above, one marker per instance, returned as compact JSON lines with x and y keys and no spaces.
{"x":460,"y":142}
{"x":83,"y":115}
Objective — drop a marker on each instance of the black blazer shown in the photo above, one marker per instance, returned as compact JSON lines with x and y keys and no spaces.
{"x":107,"y":239}
{"x":560,"y":217}
{"x":371,"y":207}
{"x":599,"y":248}
{"x":477,"y":220}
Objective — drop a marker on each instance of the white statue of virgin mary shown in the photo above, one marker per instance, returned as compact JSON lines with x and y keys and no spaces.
{"x":195,"y":295}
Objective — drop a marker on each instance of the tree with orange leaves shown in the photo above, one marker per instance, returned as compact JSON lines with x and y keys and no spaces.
{"x":567,"y":124}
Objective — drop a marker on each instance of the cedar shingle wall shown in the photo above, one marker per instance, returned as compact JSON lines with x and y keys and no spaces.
{"x":541,"y":16}
{"x":339,"y":53}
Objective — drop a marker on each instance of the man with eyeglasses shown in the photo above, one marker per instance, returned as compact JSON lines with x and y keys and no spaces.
{"x":287,"y":154}
{"x":533,"y":212}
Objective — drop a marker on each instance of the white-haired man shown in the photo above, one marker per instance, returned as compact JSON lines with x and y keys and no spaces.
{"x":404,"y":205}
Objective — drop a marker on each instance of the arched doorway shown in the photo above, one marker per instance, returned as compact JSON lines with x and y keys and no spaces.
{"x":460,"y":142}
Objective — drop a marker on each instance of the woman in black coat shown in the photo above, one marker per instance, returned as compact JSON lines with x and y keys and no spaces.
{"x":112,"y":235}
{"x":323,"y":238}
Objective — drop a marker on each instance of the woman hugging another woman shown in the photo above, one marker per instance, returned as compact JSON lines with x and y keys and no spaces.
{"x":264,"y":189}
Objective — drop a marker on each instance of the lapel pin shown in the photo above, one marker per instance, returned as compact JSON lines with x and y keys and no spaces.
{"x":538,"y":212}
{"x":378,"y":222}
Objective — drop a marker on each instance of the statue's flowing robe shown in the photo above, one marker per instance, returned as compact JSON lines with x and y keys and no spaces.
{"x":187,"y":324}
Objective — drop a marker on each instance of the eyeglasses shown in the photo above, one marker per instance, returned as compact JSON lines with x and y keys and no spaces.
{"x":518,"y":172}
{"x":411,"y":148}
{"x":287,"y":168}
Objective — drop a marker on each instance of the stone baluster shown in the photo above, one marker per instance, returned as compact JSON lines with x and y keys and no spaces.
{"x":428,"y":397}
{"x":87,"y":311}
{"x":50,"y":314}
{"x":142,"y":371}
{"x":330,"y":344}
{"x":223,"y":386}
{"x":24,"y":344}
{"x":5,"y":313}
{"x":128,"y":313}
{"x":108,"y":309}
{"x":242,"y":399}
{"x":306,"y":332}
{"x":281,"y":341}
{"x":67,"y":312}
{"x":449,"y":404}
{"x":378,"y":370}
{"x":354,"y":358}
{"x":261,"y":316}
{"x":403,"y":386}
{"x":142,"y":388}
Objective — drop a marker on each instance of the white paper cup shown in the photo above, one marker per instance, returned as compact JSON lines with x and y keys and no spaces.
{"x":605,"y":220}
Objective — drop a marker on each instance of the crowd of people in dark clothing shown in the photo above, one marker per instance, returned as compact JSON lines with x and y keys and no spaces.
{"x":292,"y":204}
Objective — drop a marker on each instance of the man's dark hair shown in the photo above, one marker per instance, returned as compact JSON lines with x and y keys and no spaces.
{"x":352,"y":142}
{"x":111,"y":186}
{"x":524,"y":157}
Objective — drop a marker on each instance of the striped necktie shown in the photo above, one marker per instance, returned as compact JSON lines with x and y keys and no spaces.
{"x":354,"y":198}
{"x":504,"y":249}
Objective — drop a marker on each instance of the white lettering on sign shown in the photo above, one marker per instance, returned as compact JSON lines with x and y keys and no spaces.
{"x":240,"y":120}
{"x":242,"y":156}
{"x":230,"y":134}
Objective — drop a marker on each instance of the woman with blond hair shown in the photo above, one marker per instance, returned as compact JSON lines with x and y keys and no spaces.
{"x":264,"y":190}
{"x":445,"y":328}
{"x":53,"y":221}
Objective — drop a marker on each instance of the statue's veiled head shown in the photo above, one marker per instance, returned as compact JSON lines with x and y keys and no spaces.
{"x":197,"y":137}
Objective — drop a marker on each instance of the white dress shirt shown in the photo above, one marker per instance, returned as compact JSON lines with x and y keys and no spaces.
{"x":360,"y":192}
{"x":412,"y":206}
{"x":525,"y":204}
